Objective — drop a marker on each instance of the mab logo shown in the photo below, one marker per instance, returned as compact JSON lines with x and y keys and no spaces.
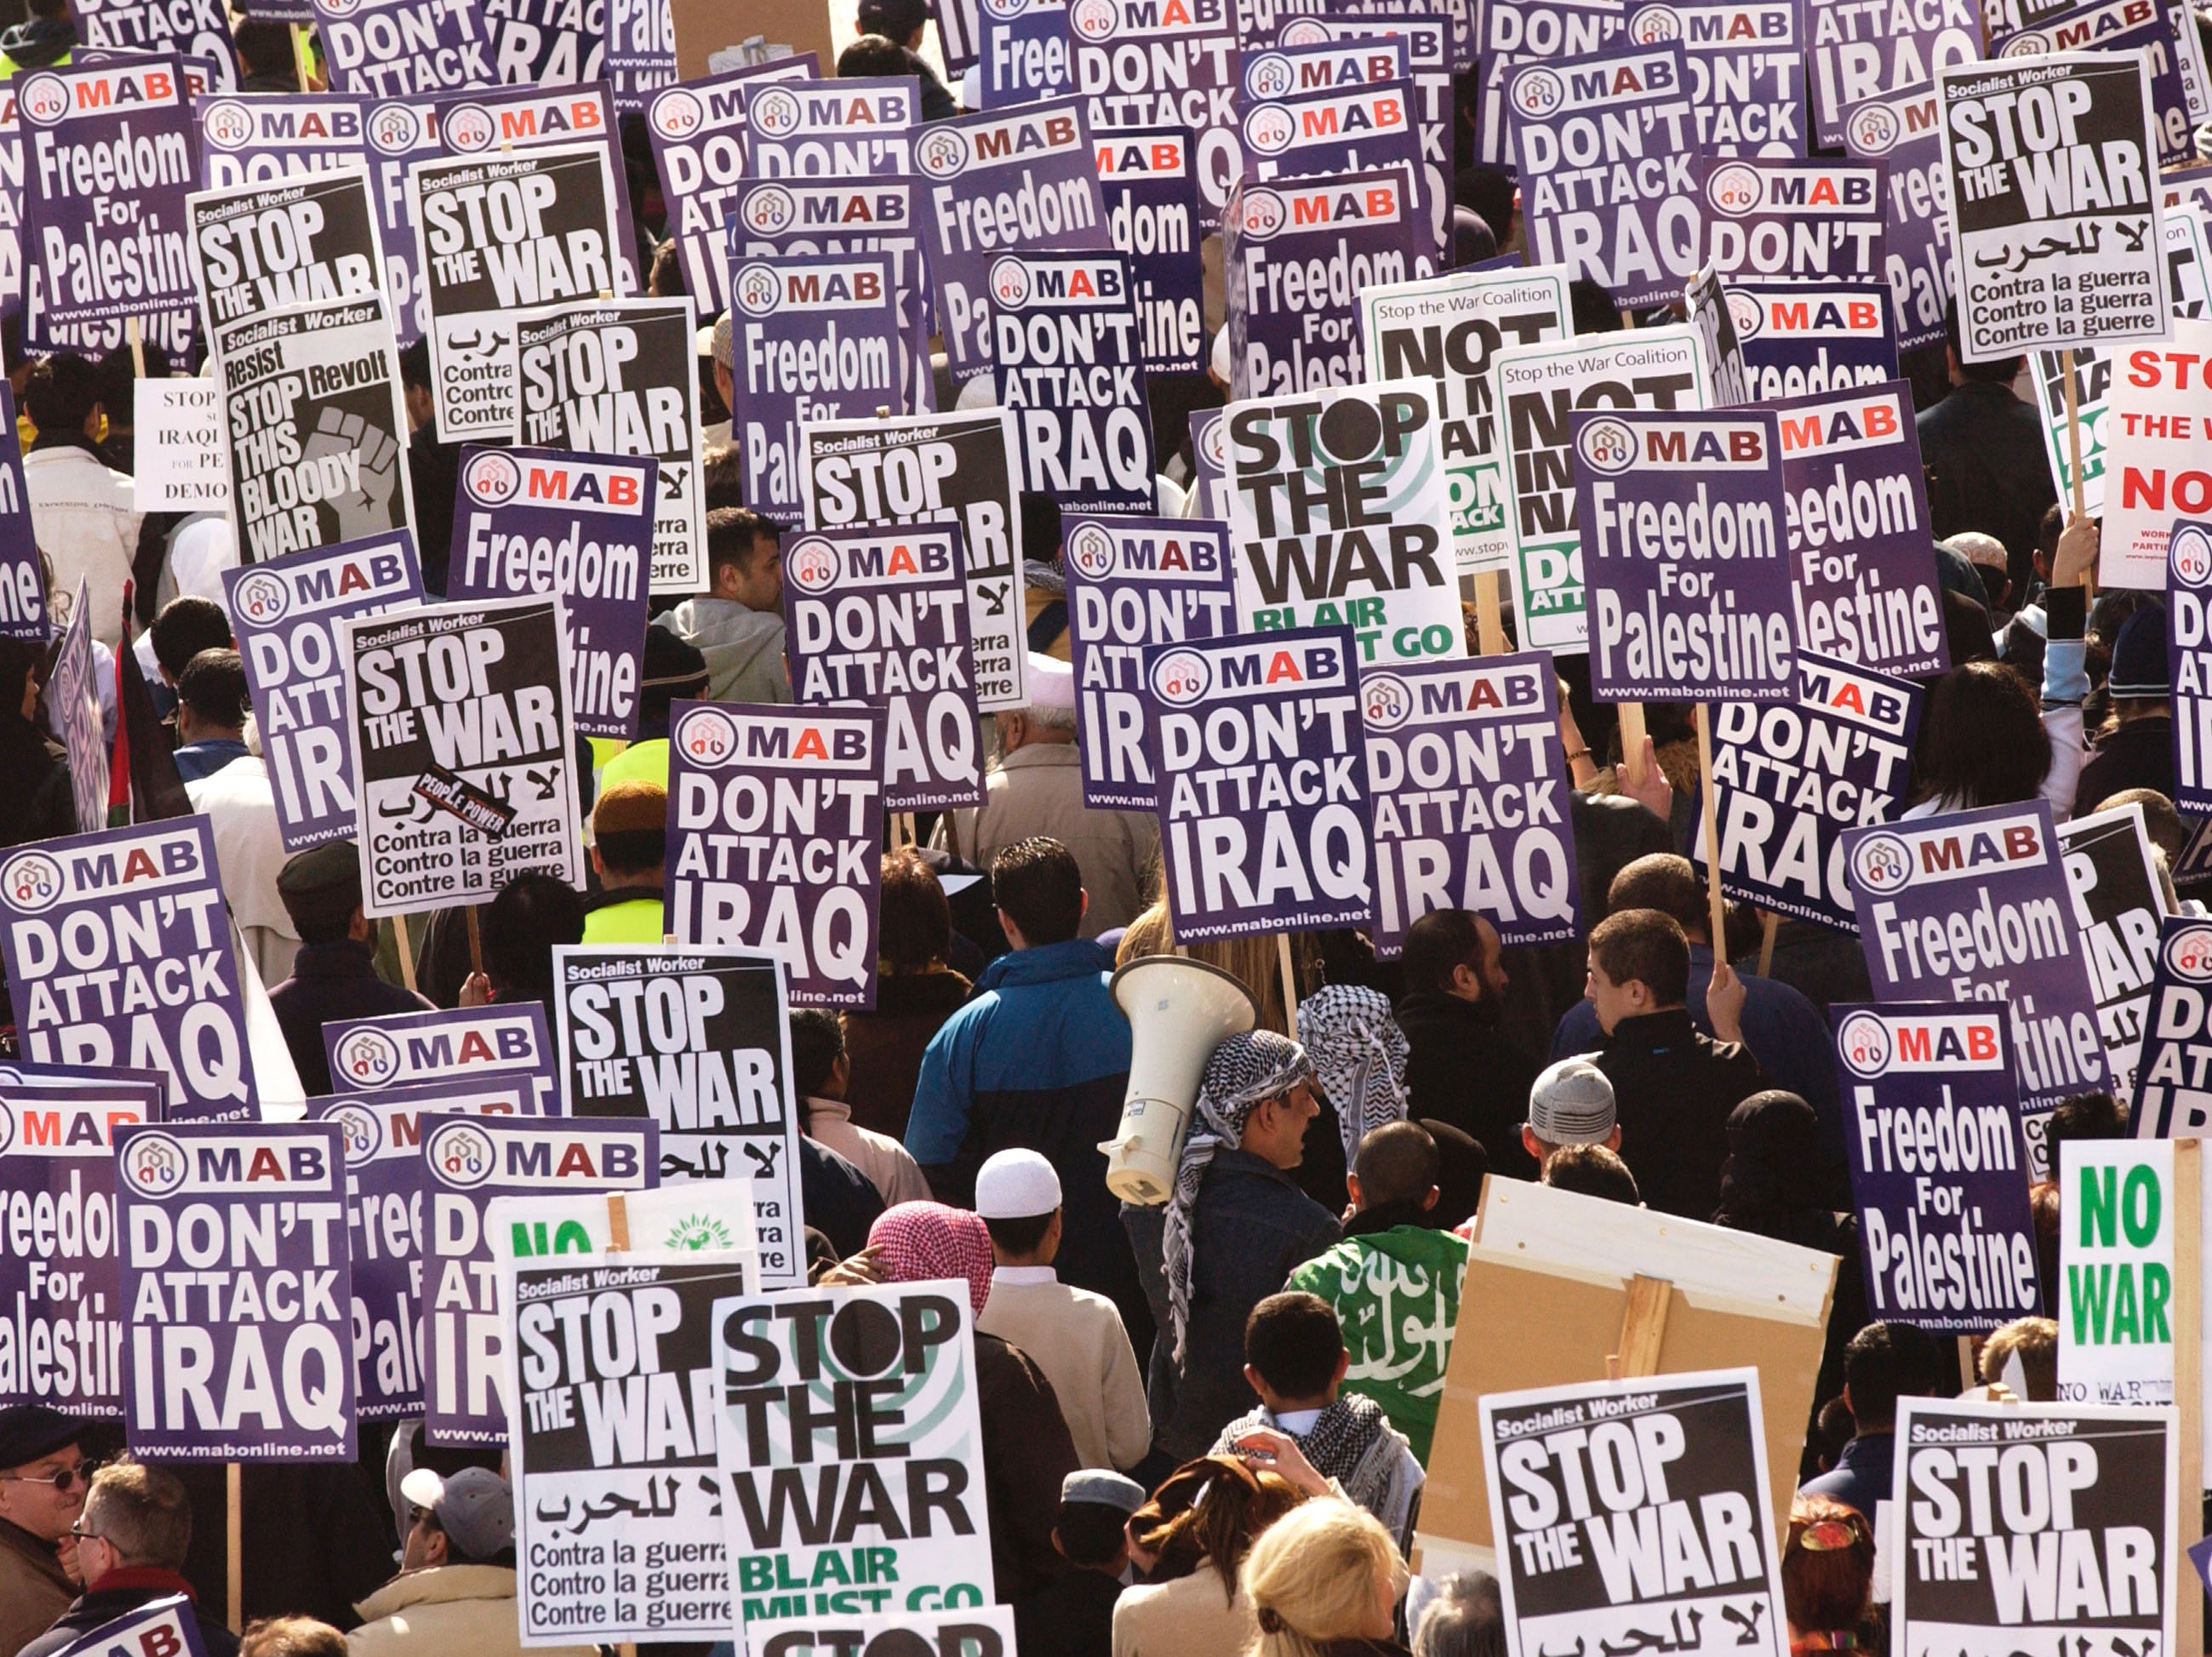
{"x":580,"y":485}
{"x":1885,"y":861}
{"x":1875,"y":418}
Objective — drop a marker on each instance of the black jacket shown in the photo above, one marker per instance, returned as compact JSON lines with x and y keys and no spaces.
{"x":840,"y":1202}
{"x":1074,"y":1617}
{"x":434,"y":474}
{"x":1463,"y":1071}
{"x":1027,"y":1454}
{"x":38,"y":42}
{"x":1673,"y":1089}
{"x":1982,"y":448}
{"x":2138,"y":754}
{"x":328,"y":981}
{"x":122,"y":1592}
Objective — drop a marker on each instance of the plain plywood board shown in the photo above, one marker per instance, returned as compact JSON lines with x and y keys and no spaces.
{"x":705,"y":27}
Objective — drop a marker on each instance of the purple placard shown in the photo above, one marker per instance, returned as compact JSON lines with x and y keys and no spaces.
{"x":1138,"y":61}
{"x":383,"y":1137}
{"x":1023,"y":178}
{"x":401,"y":131}
{"x":1150,"y":186}
{"x":1684,"y":553}
{"x":60,"y":1279}
{"x":119,"y":950}
{"x":1855,"y":53}
{"x":1519,"y":31}
{"x":1903,"y":131}
{"x":1643,"y":244}
{"x":237,"y":1292}
{"x":1793,"y":778}
{"x":22,"y":572}
{"x":281,"y":612}
{"x":879,"y":616}
{"x":2189,"y":659}
{"x":109,"y":156}
{"x":1264,"y":822}
{"x":1796,"y":340}
{"x":465,"y":1163}
{"x":1470,"y":798}
{"x":259,"y":137}
{"x":1785,"y":219}
{"x":535,"y":521}
{"x":1938,"y":1175}
{"x":404,"y":1049}
{"x":845,"y":128}
{"x":376,"y":47}
{"x":641,"y":56}
{"x":197,"y":31}
{"x":1863,"y":555}
{"x":162,"y":1627}
{"x":1024,"y":49}
{"x":1350,"y":39}
{"x":812,"y":777}
{"x":1209,"y":455}
{"x":698,"y":130}
{"x":817,"y":337}
{"x":1071,"y":369}
{"x":1358,"y":128}
{"x":544,"y":43}
{"x":1747,"y":70}
{"x":2122,"y":27}
{"x":1340,"y":234}
{"x":2173,"y":1075}
{"x":1133,"y":583}
{"x":1975,"y":907}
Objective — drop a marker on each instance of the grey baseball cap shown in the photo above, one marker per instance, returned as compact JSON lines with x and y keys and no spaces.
{"x":474,"y":1507}
{"x":1571,"y":1104}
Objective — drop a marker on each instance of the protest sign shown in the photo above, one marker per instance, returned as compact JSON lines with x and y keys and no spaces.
{"x":1297,"y":257}
{"x":1518,"y":32}
{"x":2115,"y":1292}
{"x":405,"y":1049}
{"x":812,"y":779}
{"x":1939,"y":1171}
{"x":466,"y":1162}
{"x":1342,"y":49}
{"x":1605,"y":144}
{"x":259,"y":138}
{"x":880,"y":618}
{"x":698,"y":1043}
{"x":1263,"y":797}
{"x":2173,"y":1085}
{"x":119,"y":950}
{"x":1799,"y":220}
{"x":2078,"y":1548}
{"x":2117,"y":905}
{"x":972,"y":1630}
{"x":1793,"y":340}
{"x":961,"y":466}
{"x":2092,"y":380}
{"x":909,"y":1482}
{"x":61,"y":1321}
{"x":382,"y":1136}
{"x":493,"y":236}
{"x":1070,"y":368}
{"x":2187,"y":263}
{"x":72,"y":698}
{"x":405,"y":48}
{"x":281,"y":613}
{"x":15,"y":284}
{"x":996,"y":183}
{"x":1657,"y":496}
{"x":1867,"y":590}
{"x":611,"y":1451}
{"x":2154,"y":447}
{"x":817,"y":337}
{"x":107,"y":165}
{"x":641,"y":56}
{"x":1136,"y":63}
{"x":2189,"y":660}
{"x":246,"y":1356}
{"x":22,"y":572}
{"x":197,"y":32}
{"x":1357,"y":128}
{"x":263,"y":247}
{"x":1794,"y":777}
{"x":848,"y":127}
{"x":2126,"y":28}
{"x":1538,"y":388}
{"x":1448,"y":330}
{"x":1377,"y":554}
{"x":465,"y":753}
{"x":698,"y":131}
{"x":1904,"y":132}
{"x":164,"y":1627}
{"x":546,"y":42}
{"x":690,"y":1217}
{"x":314,"y":426}
{"x":1148,"y":178}
{"x":179,"y":462}
{"x":401,"y":131}
{"x":1209,"y":458}
{"x":1974,"y":906}
{"x":1024,"y":50}
{"x":1860,"y":49}
{"x":1470,"y":798}
{"x":2053,"y":217}
{"x":1133,"y":583}
{"x":1584,"y":1481}
{"x":622,"y":378}
{"x":551,"y":521}
{"x":1747,"y":66}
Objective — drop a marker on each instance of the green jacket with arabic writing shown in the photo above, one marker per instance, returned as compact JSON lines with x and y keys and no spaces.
{"x":1395,"y":1288}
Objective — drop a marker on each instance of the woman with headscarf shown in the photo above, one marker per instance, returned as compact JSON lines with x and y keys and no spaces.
{"x":37,"y":802}
{"x":1027,"y":1451}
{"x":1358,"y":1055}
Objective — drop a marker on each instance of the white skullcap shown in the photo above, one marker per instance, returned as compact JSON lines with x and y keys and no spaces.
{"x":1221,"y":353}
{"x":1052,"y":682}
{"x":1015,"y":1185}
{"x":980,"y":392}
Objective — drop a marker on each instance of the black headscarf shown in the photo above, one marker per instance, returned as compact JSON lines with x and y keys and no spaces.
{"x":1461,"y":1166}
{"x":1772,"y":1183}
{"x":36,"y":802}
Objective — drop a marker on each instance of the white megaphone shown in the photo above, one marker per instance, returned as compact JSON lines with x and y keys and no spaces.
{"x":1179,"y":1011}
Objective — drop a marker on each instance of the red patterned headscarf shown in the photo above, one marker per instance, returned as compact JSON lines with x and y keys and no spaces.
{"x":920,"y":1242}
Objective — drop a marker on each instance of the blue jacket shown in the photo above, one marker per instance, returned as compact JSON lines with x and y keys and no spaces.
{"x":1862,"y":1476}
{"x":1039,"y":1060}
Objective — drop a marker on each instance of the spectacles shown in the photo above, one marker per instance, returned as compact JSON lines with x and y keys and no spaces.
{"x":81,"y":1534}
{"x":62,"y":1479}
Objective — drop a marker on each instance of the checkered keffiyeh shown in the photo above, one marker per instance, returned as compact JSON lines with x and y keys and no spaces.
{"x":1359,"y":1057}
{"x":924,"y":1241}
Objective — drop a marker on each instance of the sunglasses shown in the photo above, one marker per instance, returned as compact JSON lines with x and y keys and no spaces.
{"x":62,"y":1479}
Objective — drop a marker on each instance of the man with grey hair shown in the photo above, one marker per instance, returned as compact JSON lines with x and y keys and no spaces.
{"x":1036,"y":789}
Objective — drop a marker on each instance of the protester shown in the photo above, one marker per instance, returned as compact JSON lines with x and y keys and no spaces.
{"x":1827,"y":1577}
{"x":629,"y":854}
{"x":187,"y":625}
{"x":213,"y":706}
{"x":433,"y":469}
{"x":132,"y":1540}
{"x":916,"y":991}
{"x":720,"y":355}
{"x":1465,"y":1618}
{"x":673,"y":671}
{"x":1462,"y":1165}
{"x":1035,"y":791}
{"x":43,"y":1479}
{"x":521,"y":926}
{"x":819,"y":1070}
{"x":334,"y":971}
{"x":44,"y":39}
{"x":1325,"y":1580}
{"x":736,"y":624}
{"x":1075,"y":1614}
{"x":902,"y":23}
{"x":82,"y":510}
{"x":2136,"y":748}
{"x":1358,"y":1055}
{"x":1191,"y":1540}
{"x":1462,"y":1067}
{"x":2033,"y":1343}
{"x":1571,"y":1104}
{"x":1075,"y":1337}
{"x":39,"y":800}
{"x":1592,"y":1171}
{"x":455,"y":1590}
{"x":1982,"y":448}
{"x":240,"y":802}
{"x":1883,"y":1361}
{"x":291,"y":1636}
{"x":1393,"y":1283}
